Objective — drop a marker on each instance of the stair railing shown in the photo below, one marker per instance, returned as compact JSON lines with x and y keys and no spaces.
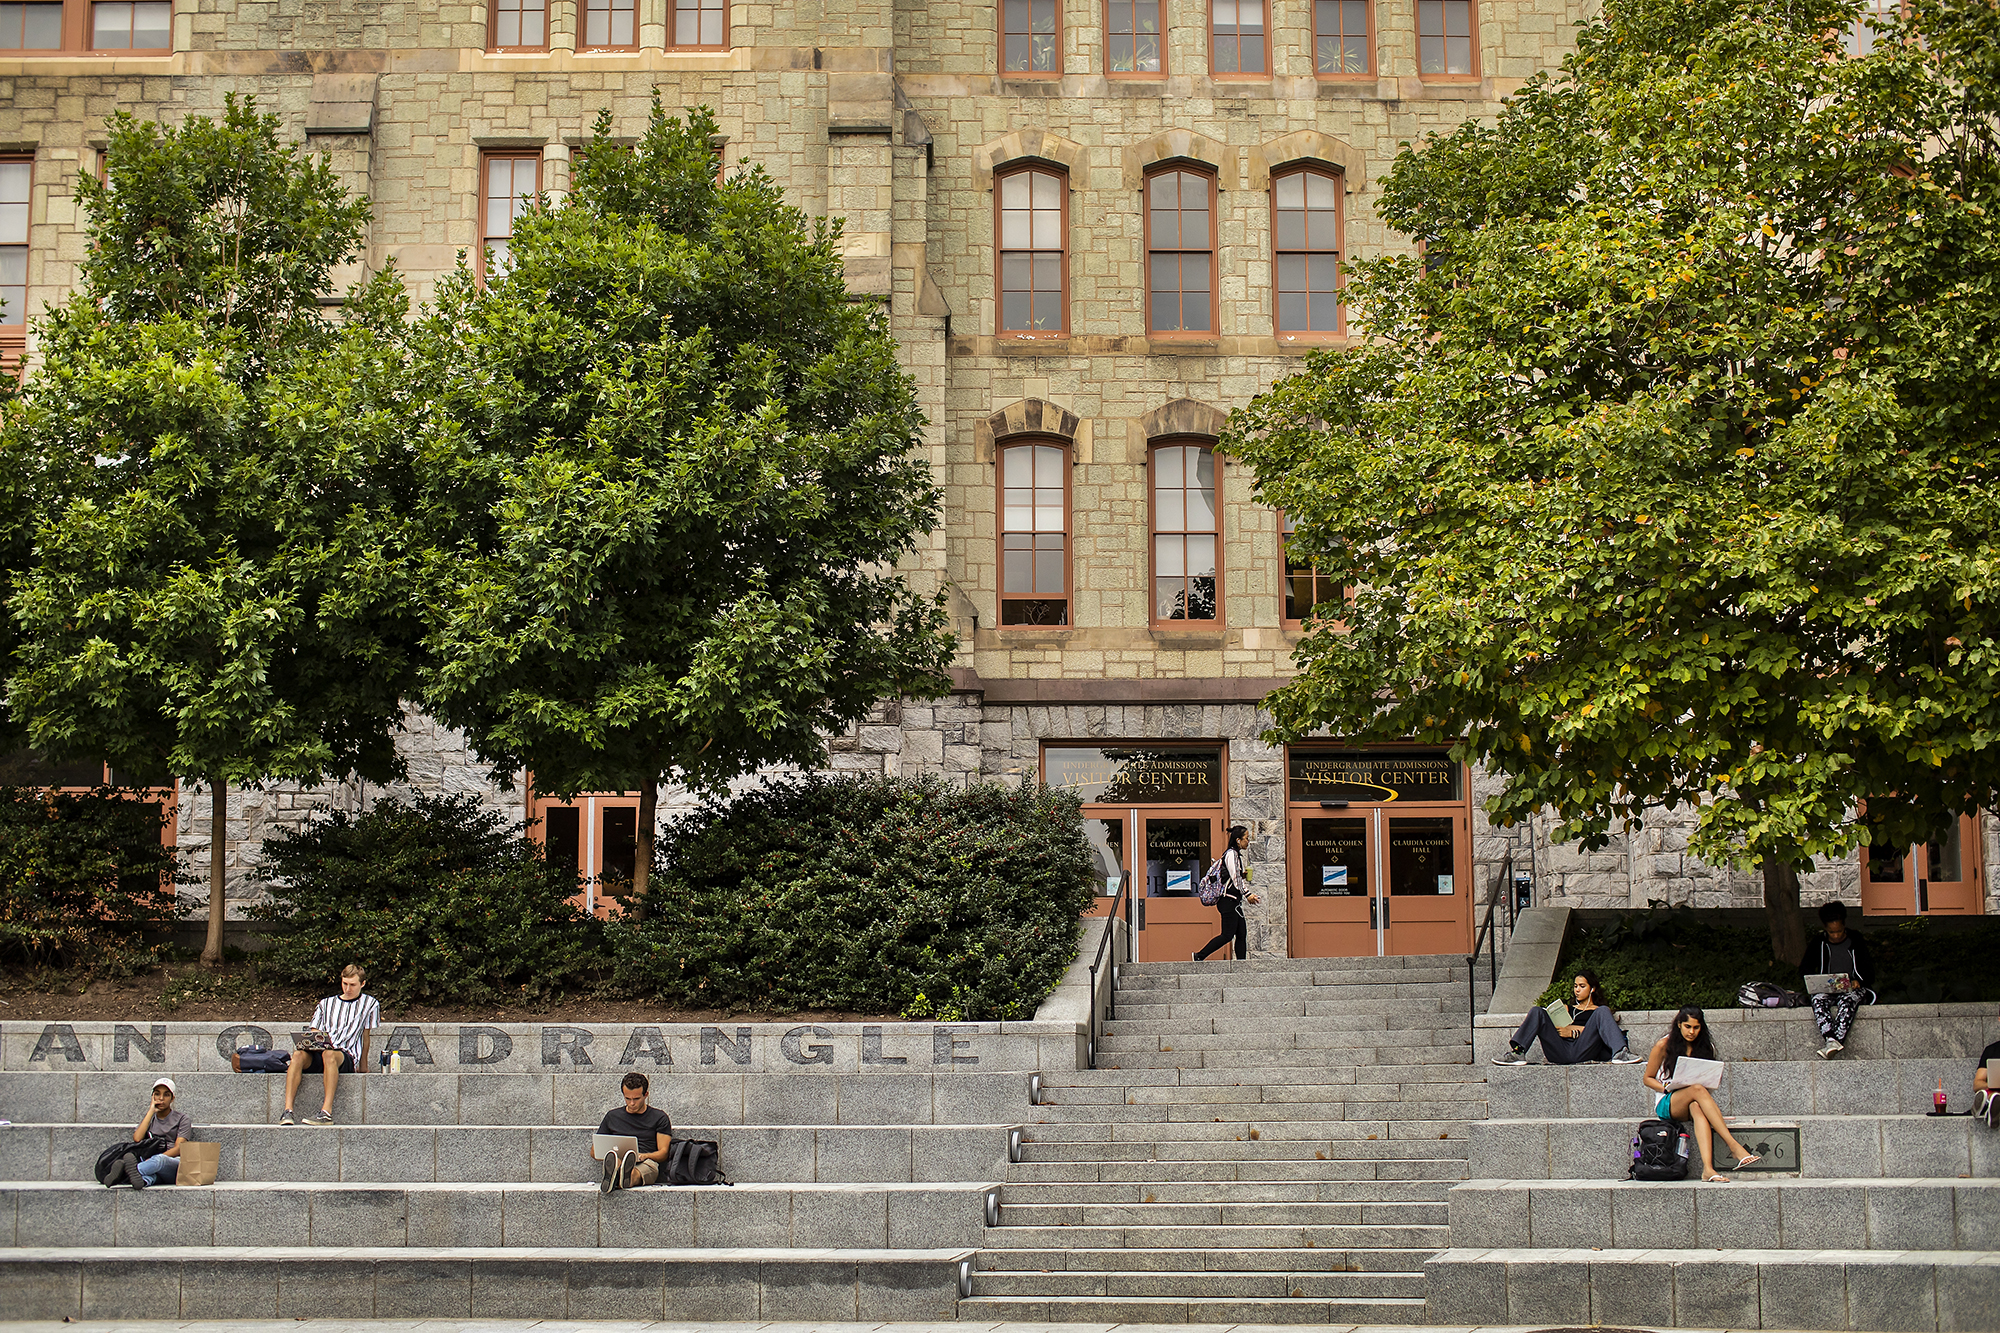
{"x":1109,"y":970}
{"x":1488,"y":939}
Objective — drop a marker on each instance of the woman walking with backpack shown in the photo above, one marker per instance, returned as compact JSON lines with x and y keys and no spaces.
{"x":1235,"y":892}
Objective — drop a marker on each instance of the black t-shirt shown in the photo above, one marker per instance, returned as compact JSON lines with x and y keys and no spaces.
{"x":647,"y":1126}
{"x":1992,"y":1052}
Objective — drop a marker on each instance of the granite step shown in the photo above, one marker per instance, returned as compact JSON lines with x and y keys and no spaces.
{"x":1253,"y":1046}
{"x":1222,"y":1214}
{"x":1231,"y":1237}
{"x":1255,"y":1170}
{"x":528,"y":1283}
{"x":1243,"y":1065}
{"x":1321,"y":1259}
{"x":1220,"y":1311}
{"x":1220,"y":1191}
{"x":1386,"y":1143}
{"x":847,"y":1216}
{"x":1219,"y":1129}
{"x":1830,"y":1147}
{"x":1236,"y":1285}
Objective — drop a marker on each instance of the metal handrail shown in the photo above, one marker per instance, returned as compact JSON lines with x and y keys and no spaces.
{"x":1097,"y":964}
{"x":1489,"y":939}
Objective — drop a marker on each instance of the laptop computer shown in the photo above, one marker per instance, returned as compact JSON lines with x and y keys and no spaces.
{"x":1691,"y":1072}
{"x":312,"y":1039}
{"x":601,"y":1144}
{"x":1819,"y":983}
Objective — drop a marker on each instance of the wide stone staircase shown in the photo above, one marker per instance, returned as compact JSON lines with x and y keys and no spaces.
{"x":1267,"y":1141}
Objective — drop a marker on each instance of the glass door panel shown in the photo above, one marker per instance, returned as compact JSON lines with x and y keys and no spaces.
{"x":1177,"y":847}
{"x":1106,"y":834}
{"x":1331,"y":886}
{"x":1428,"y":907}
{"x":1941,"y":878}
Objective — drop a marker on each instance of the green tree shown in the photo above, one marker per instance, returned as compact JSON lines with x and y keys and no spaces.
{"x":214,"y":469}
{"x":670,"y":470}
{"x":1666,"y":477}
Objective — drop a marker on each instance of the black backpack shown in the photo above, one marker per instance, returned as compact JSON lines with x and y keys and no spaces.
{"x":1659,"y":1151}
{"x":107,"y":1161}
{"x":695,"y":1162}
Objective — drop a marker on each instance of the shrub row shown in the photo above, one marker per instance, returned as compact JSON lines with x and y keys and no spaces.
{"x":84,"y":880}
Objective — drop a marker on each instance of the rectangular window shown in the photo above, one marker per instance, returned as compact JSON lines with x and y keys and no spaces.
{"x":1305,"y":587}
{"x":1029,"y":37}
{"x":1340,"y":37}
{"x":31,"y":27}
{"x":510,"y":182}
{"x":1444,"y":37}
{"x":1180,"y":252}
{"x":519,"y":25}
{"x":131,"y":25}
{"x":610,"y":25}
{"x":1236,"y":37}
{"x":1305,"y":216}
{"x":1859,"y":39}
{"x":1184,"y":534}
{"x":17,"y":178}
{"x":701,"y":23}
{"x":1133,"y":41}
{"x":1034,"y":535}
{"x":1031,"y":252}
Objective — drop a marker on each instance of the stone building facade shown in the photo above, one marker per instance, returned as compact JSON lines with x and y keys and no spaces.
{"x":925,"y":125}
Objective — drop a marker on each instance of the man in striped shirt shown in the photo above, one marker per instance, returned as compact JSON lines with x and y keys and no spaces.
{"x":348,"y":1019}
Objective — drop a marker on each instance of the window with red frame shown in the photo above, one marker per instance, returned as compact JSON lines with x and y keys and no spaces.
{"x":1236,"y":37}
{"x":509,"y":184}
{"x":17,"y":179}
{"x":518,"y":25}
{"x":1340,"y":37}
{"x":131,"y":25}
{"x":1034,"y":534}
{"x":1305,"y":218}
{"x":31,"y":27}
{"x":701,"y":23}
{"x":1180,"y":251}
{"x":1030,"y":37}
{"x":1444,"y":37}
{"x":1185,"y":534}
{"x":1132,"y":37}
{"x":1305,"y":587}
{"x":1032,"y":203}
{"x":610,"y":25}
{"x":1859,"y":39}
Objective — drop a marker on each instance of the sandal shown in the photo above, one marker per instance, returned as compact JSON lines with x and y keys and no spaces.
{"x":1744,"y":1162}
{"x":1713,"y":1178}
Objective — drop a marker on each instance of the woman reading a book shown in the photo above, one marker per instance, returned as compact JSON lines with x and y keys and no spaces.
{"x":1667,"y":1099}
{"x":1572,"y":1035}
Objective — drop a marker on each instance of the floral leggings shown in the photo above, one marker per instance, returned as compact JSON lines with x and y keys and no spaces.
{"x":1834,"y":1012}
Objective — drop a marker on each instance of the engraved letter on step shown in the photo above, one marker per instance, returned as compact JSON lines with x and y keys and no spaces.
{"x":468,"y":1045}
{"x":713,"y":1038}
{"x":225,"y":1040}
{"x":871,"y":1049}
{"x":154,"y":1047}
{"x":410,"y":1041}
{"x":59,"y":1037}
{"x":556,"y":1040}
{"x":945,"y":1048}
{"x":648,"y":1042}
{"x":817,"y":1054}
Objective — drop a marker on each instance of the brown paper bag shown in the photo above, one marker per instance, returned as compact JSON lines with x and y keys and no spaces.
{"x":198,"y":1163}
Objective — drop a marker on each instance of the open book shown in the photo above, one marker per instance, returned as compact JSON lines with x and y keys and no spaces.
{"x":1559,"y":1011}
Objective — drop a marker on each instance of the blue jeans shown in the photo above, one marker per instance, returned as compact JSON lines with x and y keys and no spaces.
{"x":1599,"y":1040}
{"x":160,"y":1170}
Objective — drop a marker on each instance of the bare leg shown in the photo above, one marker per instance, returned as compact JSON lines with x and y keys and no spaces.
{"x":1698,"y":1105}
{"x":1704,"y":1139}
{"x":294,"y":1071}
{"x":330,"y":1062}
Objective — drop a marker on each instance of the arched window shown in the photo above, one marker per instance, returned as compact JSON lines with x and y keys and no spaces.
{"x":1034,"y":534}
{"x":1180,"y":251}
{"x":1305,"y":245}
{"x":1186,"y":535}
{"x":1032,"y":225}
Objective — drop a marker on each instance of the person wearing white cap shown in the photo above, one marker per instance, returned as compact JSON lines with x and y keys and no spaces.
{"x":162,"y":1122}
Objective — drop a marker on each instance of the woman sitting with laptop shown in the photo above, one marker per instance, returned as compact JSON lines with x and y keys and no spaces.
{"x":1683,"y":1099}
{"x":1838,"y":971}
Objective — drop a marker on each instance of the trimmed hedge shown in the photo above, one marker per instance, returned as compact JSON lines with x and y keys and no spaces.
{"x":1664,"y":957}
{"x":83,"y":880}
{"x":441,"y":901}
{"x":859,"y":894}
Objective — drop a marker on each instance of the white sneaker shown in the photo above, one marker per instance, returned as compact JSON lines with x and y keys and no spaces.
{"x":1625,"y":1057}
{"x":1828,"y":1051}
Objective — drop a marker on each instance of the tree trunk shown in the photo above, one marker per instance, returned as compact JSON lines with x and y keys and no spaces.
{"x":1781,"y":908}
{"x":218,"y":831}
{"x":642,"y":859}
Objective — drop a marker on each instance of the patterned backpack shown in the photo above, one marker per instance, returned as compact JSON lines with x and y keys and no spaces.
{"x":1214,"y":884}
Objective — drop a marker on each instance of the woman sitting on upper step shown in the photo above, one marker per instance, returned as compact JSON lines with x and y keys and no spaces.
{"x":1687,"y":1037}
{"x":1593,"y":1035}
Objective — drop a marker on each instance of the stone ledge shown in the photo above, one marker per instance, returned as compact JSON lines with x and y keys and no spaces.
{"x":1799,"y":1086}
{"x":1830,"y":1148}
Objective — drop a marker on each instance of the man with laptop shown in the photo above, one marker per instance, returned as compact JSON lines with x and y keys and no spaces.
{"x":1838,"y":969}
{"x":633,"y":1140}
{"x":342,"y":1027}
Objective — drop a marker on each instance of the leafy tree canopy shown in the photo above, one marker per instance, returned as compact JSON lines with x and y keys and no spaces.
{"x":213,"y":471}
{"x":1666,"y":478}
{"x":670,"y":472}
